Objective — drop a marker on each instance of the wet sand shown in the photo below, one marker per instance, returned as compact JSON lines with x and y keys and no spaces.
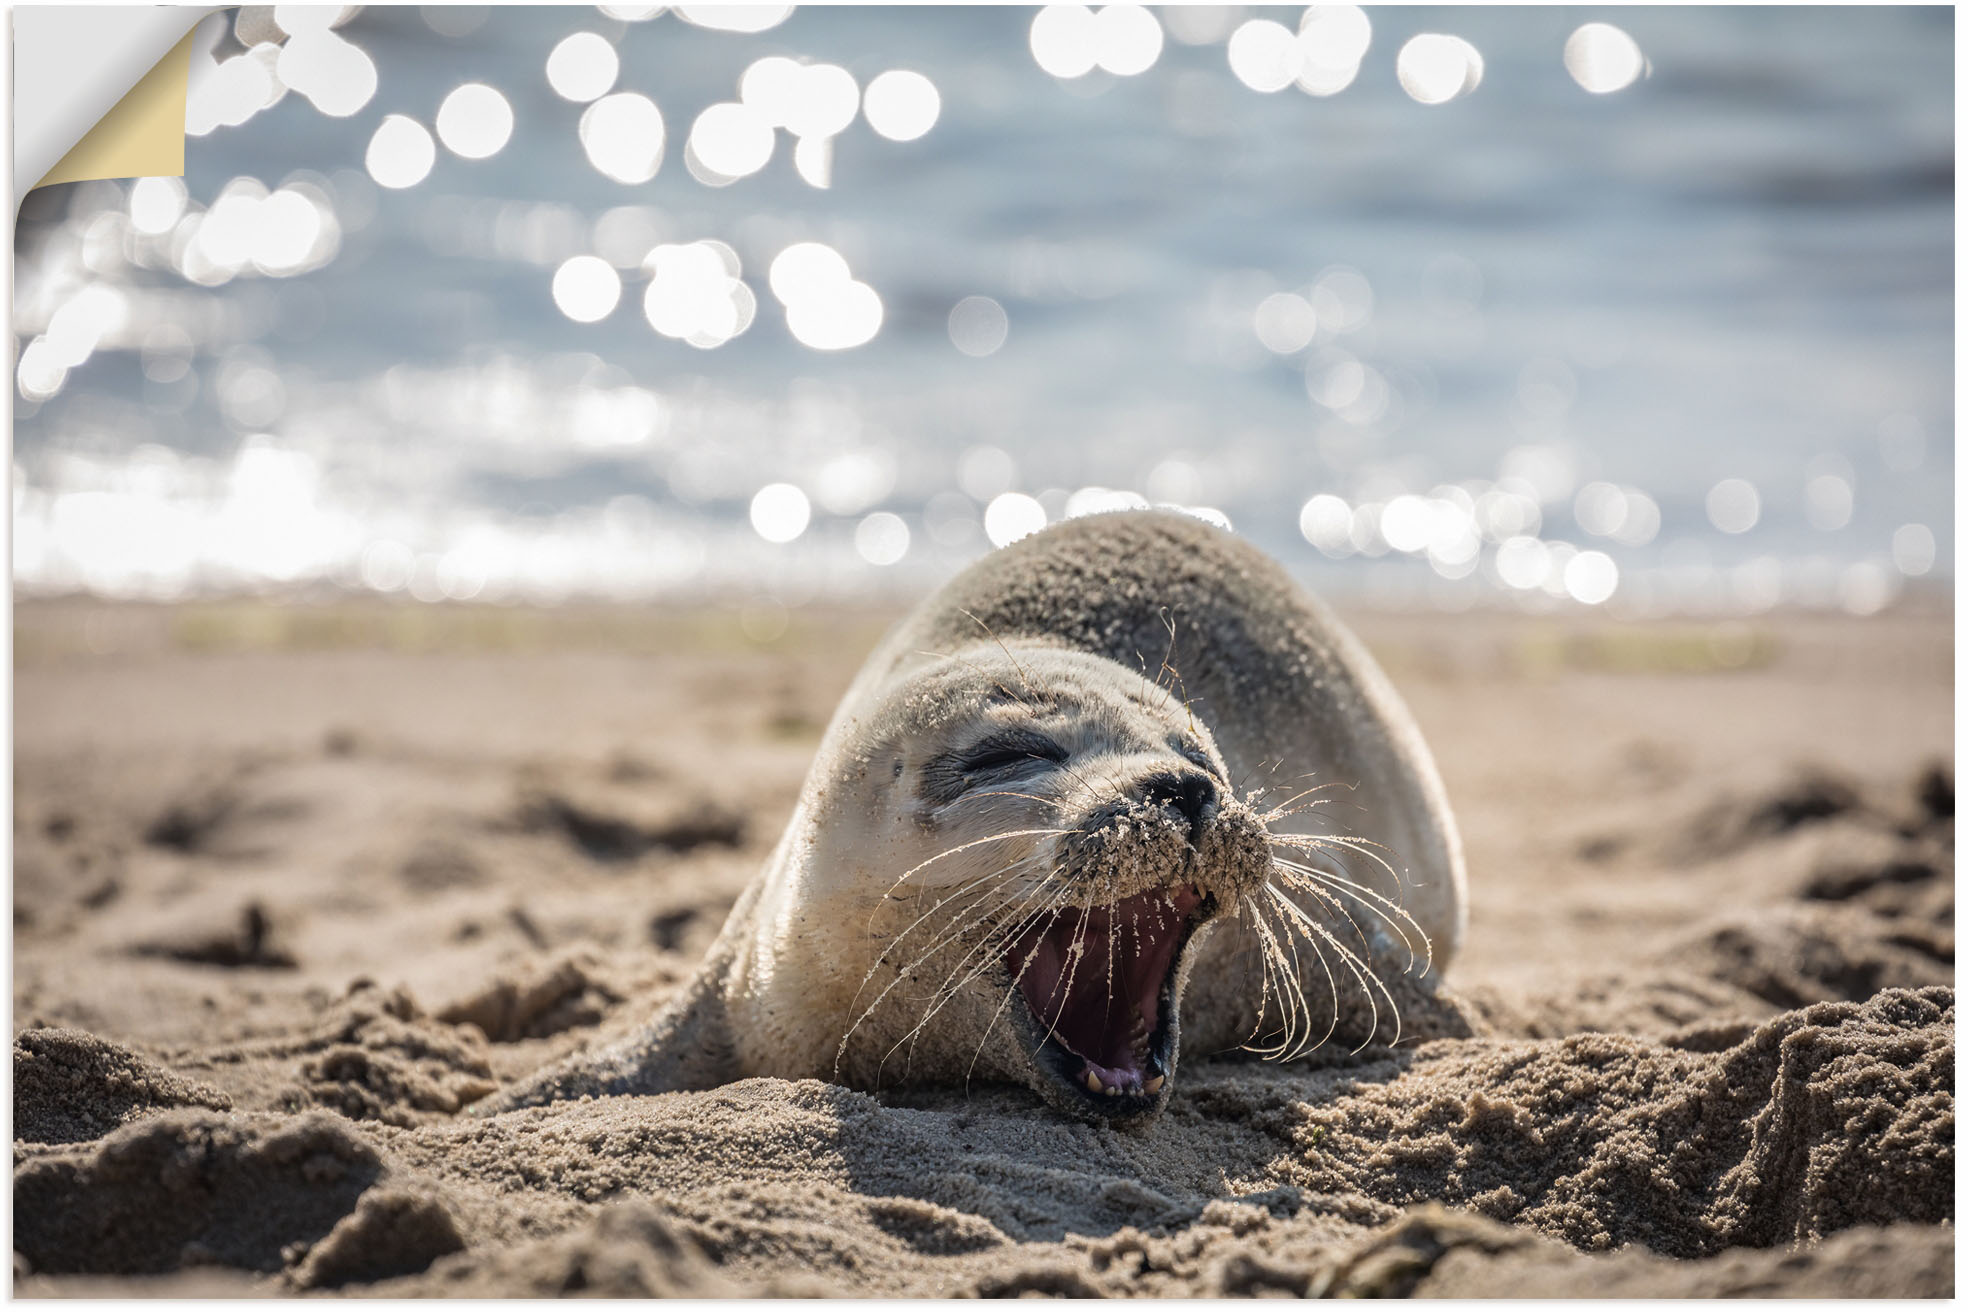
{"x":295,"y":884}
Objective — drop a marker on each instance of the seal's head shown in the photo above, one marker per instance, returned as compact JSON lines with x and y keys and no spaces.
{"x":1058,"y":830}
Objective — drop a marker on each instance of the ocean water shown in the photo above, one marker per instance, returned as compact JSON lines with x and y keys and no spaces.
{"x":1684,"y":346}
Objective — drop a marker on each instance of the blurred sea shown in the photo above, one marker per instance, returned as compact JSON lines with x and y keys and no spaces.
{"x":1685,"y":346}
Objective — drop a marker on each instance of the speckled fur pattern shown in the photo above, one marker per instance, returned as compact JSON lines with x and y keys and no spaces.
{"x":1146,"y":643}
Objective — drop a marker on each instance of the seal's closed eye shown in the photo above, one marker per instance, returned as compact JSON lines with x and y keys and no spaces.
{"x":990,"y":760}
{"x":1004,"y":751}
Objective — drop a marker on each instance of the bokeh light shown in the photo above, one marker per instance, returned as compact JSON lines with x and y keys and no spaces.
{"x":1866,"y":587}
{"x":985,"y":471}
{"x":1828,"y":498}
{"x":695,"y":294}
{"x":1265,"y":55}
{"x":772,"y":87}
{"x":823,"y":101}
{"x":731,"y":141}
{"x":1100,"y":501}
{"x":1064,"y":42}
{"x":813,"y":160}
{"x":978,"y":326}
{"x":1602,"y":58}
{"x":475,"y":121}
{"x":1591,"y":577}
{"x":1913,"y":549}
{"x":586,"y":288}
{"x":901,"y":104}
{"x":335,"y":75}
{"x":1127,"y":39}
{"x":805,"y":268}
{"x":1011,"y":516}
{"x":826,"y":309}
{"x":735,"y":18}
{"x":1733,"y":505}
{"x":623,"y":137}
{"x":882,"y":538}
{"x":1600,"y":509}
{"x":400,"y":153}
{"x":583,"y":67}
{"x":1332,"y":42}
{"x":156,"y":204}
{"x":780,"y":512}
{"x":1285,"y":322}
{"x":1326,"y":521}
{"x":454,"y":20}
{"x":1435,"y":68}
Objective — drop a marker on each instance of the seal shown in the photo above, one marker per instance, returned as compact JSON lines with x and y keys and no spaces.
{"x":1116,"y":790}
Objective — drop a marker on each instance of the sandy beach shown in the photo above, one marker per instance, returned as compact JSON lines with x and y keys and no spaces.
{"x":294,"y":884}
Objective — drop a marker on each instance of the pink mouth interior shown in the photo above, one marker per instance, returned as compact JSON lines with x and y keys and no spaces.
{"x":1093,"y":979}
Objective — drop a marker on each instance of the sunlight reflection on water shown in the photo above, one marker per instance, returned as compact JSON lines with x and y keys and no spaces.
{"x":410,"y":371}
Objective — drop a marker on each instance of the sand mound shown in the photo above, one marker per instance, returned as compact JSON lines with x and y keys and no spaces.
{"x":375,"y":1057}
{"x":190,"y":1189}
{"x":629,"y":1250}
{"x":70,"y":1087}
{"x":392,"y":1231}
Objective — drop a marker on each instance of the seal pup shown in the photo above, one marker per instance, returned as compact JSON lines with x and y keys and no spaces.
{"x":1118,"y":789}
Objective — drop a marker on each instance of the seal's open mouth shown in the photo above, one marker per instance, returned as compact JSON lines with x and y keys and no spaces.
{"x":1100,"y":985}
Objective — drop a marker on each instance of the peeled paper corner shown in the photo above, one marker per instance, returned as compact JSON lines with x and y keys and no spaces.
{"x":99,"y":91}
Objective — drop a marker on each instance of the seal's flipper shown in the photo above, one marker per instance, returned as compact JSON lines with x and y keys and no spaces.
{"x":688,"y":1046}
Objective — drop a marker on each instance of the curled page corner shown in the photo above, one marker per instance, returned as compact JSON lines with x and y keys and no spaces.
{"x":74,"y":65}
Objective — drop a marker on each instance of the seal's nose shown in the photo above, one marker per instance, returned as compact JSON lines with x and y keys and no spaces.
{"x":1189,"y":795}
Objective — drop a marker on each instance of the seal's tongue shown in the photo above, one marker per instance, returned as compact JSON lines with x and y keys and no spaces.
{"x":1093,"y":978}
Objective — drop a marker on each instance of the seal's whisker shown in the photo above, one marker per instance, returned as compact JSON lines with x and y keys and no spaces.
{"x":1286,"y":813}
{"x":1295,"y":1007}
{"x":1017,"y":899}
{"x":965,"y":847}
{"x":1278,"y":812}
{"x":974,"y":916}
{"x":1012,"y":918}
{"x":978,"y":670}
{"x":1390,"y":911}
{"x":903,"y":971}
{"x":956,"y":893}
{"x":1246,"y":903}
{"x":982,"y":951}
{"x":1368,"y":981}
{"x":1168,"y":622}
{"x":1270,"y":959}
{"x":1023,"y":678}
{"x":1319,"y":844}
{"x":1303,"y":1008}
{"x":1245,"y":777}
{"x":1112,"y":908}
{"x":1011,"y":991}
{"x":1327,"y":898}
{"x":1075,"y":954}
{"x":1030,"y":797}
{"x":914,"y":895}
{"x":1325,"y":842}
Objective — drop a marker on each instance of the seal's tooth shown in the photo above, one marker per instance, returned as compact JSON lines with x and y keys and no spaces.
{"x":1093,"y":1081}
{"x":1154,"y":1085}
